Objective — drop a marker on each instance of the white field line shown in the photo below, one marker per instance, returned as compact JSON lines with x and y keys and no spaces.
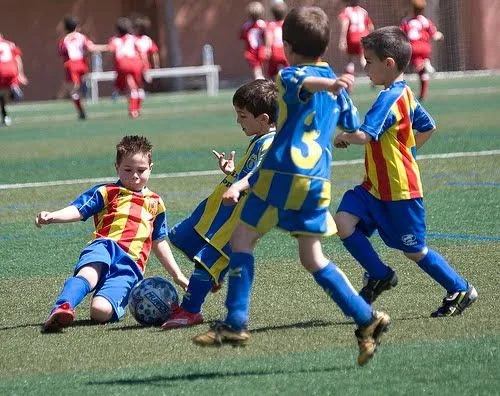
{"x":218,"y":172}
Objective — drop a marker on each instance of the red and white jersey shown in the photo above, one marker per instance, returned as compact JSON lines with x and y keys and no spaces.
{"x":74,"y":46}
{"x":253,"y":33}
{"x":359,"y":21}
{"x":418,"y":28}
{"x":125,"y":50}
{"x":8,"y":53}
{"x":275,"y":29}
{"x":146,"y":45}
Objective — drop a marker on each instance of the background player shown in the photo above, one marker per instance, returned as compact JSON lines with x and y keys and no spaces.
{"x":130,"y":221}
{"x":253,"y":34}
{"x":274,"y":40}
{"x":130,"y":64}
{"x":390,"y":199}
{"x":73,"y":47}
{"x":355,"y":24}
{"x":11,"y":75}
{"x":421,"y":31}
{"x":204,"y":235}
{"x":146,"y":46}
{"x":292,"y":189}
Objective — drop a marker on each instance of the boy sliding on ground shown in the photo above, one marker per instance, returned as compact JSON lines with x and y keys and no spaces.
{"x":130,"y":221}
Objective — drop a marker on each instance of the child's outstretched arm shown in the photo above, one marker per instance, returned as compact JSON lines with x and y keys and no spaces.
{"x":316,"y":84}
{"x":422,"y":137}
{"x":68,"y":214}
{"x":344,"y":139}
{"x":162,"y":250}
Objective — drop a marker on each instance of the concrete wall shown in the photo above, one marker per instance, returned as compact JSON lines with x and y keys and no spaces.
{"x":35,"y":30}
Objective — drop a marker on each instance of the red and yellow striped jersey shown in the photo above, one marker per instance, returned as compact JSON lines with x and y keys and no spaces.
{"x":132,"y":219}
{"x":392,"y":172}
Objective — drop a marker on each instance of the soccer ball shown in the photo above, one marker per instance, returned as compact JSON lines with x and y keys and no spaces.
{"x":152,"y":301}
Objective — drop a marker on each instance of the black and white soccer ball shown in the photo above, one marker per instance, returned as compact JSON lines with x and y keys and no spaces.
{"x":152,"y":301}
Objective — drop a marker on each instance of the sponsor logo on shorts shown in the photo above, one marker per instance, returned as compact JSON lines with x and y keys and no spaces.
{"x":409,"y":239}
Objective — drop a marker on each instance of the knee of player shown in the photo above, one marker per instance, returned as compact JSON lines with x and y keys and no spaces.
{"x":416,"y":256}
{"x":346,"y":224}
{"x":101,"y":310}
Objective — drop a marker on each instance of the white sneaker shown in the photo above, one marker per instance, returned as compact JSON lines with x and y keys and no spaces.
{"x":7,"y":121}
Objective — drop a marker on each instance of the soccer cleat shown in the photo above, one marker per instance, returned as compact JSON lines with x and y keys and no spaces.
{"x":369,"y":336}
{"x":182,"y":318}
{"x":455,"y":303}
{"x":372,"y":288}
{"x":7,"y":121}
{"x":60,"y":317}
{"x":82,"y":116}
{"x":220,"y":333}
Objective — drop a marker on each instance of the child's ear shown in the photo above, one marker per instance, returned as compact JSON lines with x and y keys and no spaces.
{"x":151,"y":166}
{"x":390,"y":62}
{"x":264,"y":118}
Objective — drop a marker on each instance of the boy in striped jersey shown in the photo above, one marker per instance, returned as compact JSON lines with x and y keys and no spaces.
{"x":204,"y":236}
{"x":130,"y":221}
{"x":390,"y":199}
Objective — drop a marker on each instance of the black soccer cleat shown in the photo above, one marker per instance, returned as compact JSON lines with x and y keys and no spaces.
{"x":455,"y":303}
{"x":372,"y":288}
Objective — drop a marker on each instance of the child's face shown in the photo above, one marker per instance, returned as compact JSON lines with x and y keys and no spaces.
{"x":250,"y":124}
{"x":378,"y":70}
{"x":134,"y":171}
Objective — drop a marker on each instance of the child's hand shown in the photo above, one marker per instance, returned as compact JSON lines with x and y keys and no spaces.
{"x":225,"y":165}
{"x":182,"y":281}
{"x":340,"y":142}
{"x":231,"y":196}
{"x":43,"y":218}
{"x":344,"y":81}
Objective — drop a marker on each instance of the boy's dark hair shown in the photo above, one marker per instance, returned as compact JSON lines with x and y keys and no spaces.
{"x":131,"y":145}
{"x":352,"y":3}
{"x":389,"y":42}
{"x":142,"y":25}
{"x":279,"y":10}
{"x":70,"y":23}
{"x":258,"y":97}
{"x":307,"y":31}
{"x":123,"y":26}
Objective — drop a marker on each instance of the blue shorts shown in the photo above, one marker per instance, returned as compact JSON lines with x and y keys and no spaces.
{"x":401,"y":224}
{"x":185,"y":238}
{"x":119,"y":273}
{"x":262,"y":216}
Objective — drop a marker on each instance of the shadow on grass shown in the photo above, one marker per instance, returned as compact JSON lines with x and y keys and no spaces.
{"x":162,"y":380}
{"x":76,"y":323}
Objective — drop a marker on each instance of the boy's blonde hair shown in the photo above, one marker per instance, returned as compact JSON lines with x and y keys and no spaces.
{"x":131,"y":145}
{"x":255,"y":10}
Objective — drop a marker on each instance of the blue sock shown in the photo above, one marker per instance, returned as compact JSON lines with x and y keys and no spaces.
{"x":74,"y":291}
{"x":239,"y":288}
{"x":438,"y":269}
{"x":200,"y":284}
{"x":337,"y":286}
{"x":362,"y":250}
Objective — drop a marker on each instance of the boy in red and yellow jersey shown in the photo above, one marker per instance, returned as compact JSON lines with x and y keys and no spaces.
{"x":130,"y":221}
{"x":390,"y":199}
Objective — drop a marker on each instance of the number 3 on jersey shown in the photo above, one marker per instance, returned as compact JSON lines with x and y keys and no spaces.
{"x":314,"y":150}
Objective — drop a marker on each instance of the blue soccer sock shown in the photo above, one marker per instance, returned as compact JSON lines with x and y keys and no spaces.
{"x":337,"y":286}
{"x":362,"y":250}
{"x":239,"y":288}
{"x":438,"y":269}
{"x":74,"y":291}
{"x":200,"y":284}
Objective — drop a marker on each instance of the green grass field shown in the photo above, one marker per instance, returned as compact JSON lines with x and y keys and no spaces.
{"x":301,"y":343}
